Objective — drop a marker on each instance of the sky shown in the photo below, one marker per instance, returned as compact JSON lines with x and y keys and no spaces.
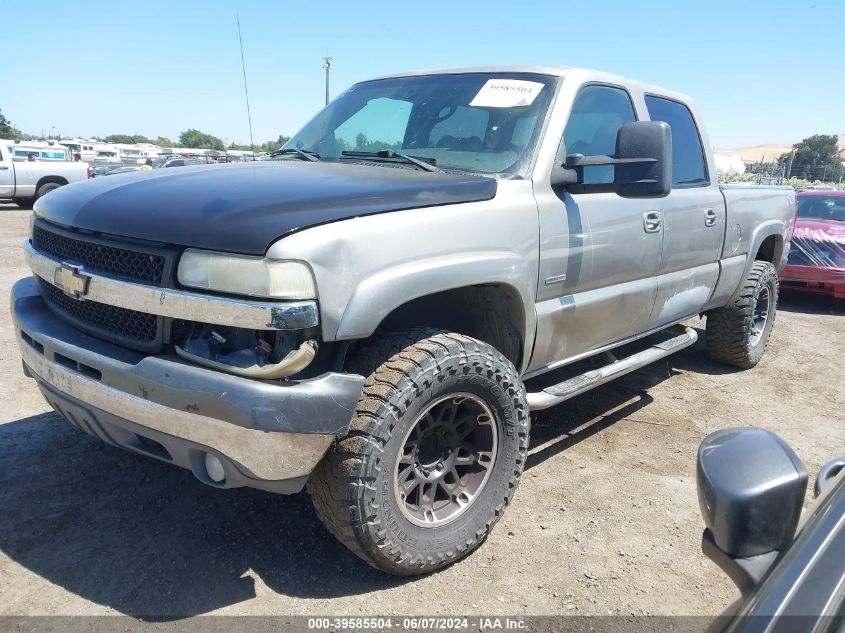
{"x":761,"y":72}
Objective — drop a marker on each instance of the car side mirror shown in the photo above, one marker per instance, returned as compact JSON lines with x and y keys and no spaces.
{"x":645,"y":149}
{"x":642,"y":163}
{"x":751,"y":488}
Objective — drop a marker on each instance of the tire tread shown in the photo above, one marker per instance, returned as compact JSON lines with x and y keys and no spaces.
{"x":729,"y":328}
{"x":393,"y":364}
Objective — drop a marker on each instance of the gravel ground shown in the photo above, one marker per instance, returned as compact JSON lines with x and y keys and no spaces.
{"x":605,"y":521}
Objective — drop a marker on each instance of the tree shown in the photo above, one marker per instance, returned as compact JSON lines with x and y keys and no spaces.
{"x":127,"y":138}
{"x":814,"y":157}
{"x":163,"y":141}
{"x":269,"y":146}
{"x":7,"y":130}
{"x":200,"y":140}
{"x":272,"y":146}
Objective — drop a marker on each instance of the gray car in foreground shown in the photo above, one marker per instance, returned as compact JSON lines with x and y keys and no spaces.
{"x":789,"y":568}
{"x":374,"y":313}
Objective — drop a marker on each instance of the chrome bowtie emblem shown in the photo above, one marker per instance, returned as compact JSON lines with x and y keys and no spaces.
{"x":71,"y":280}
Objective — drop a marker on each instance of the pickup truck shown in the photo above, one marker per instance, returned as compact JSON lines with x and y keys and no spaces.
{"x":368,"y":315}
{"x":26,"y":181}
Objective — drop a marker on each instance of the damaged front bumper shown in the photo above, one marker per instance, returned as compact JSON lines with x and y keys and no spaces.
{"x":267,"y":435}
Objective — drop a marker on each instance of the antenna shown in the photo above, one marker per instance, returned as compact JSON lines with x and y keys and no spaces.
{"x":328,"y":66}
{"x":246,"y":92}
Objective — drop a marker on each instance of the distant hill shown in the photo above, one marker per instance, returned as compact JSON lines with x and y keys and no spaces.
{"x":768,"y":153}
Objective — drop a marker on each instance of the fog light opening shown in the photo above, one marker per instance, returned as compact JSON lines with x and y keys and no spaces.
{"x":214,"y":468}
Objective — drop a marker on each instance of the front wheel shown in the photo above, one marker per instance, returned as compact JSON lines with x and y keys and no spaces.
{"x":24,"y":203}
{"x":433,"y":455}
{"x":738,"y":333}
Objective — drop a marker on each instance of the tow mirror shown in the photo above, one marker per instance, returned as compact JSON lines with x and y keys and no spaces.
{"x":751,"y":488}
{"x":642,"y":163}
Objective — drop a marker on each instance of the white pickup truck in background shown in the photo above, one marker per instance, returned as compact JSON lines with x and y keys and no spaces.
{"x":25,"y":182}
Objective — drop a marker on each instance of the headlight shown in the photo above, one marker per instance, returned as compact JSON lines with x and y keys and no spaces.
{"x":31,"y":224}
{"x":243,"y":275}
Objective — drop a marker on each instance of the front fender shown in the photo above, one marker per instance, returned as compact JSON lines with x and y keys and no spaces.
{"x":380,"y":294}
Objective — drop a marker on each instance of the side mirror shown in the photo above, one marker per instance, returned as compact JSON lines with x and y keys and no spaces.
{"x":642,"y":163}
{"x":751,"y":488}
{"x":645,"y":149}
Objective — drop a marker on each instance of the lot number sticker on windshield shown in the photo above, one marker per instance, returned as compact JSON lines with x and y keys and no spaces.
{"x":507,"y":93}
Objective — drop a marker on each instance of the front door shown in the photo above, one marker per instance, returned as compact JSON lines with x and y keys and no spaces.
{"x":599,"y":253}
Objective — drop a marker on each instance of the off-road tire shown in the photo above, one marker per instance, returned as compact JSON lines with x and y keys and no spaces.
{"x":353,"y":486}
{"x":24,"y":203}
{"x":730,"y":330}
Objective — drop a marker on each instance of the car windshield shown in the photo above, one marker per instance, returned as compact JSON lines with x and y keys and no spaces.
{"x":822,"y":207}
{"x":480,"y":122}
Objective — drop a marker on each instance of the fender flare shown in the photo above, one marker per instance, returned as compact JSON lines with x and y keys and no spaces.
{"x":764,"y":230}
{"x":380,"y":294}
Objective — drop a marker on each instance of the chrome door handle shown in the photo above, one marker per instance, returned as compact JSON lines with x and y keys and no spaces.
{"x":652,"y":221}
{"x":3,"y":168}
{"x":710,"y":217}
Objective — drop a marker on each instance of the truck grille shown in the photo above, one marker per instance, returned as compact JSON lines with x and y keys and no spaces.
{"x":135,"y":329}
{"x":118,"y":262}
{"x":145,"y":263}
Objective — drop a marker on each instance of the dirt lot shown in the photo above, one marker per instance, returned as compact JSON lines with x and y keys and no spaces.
{"x":605,"y":521}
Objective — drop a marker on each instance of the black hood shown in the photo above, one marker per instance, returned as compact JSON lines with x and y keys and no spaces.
{"x":243,"y":208}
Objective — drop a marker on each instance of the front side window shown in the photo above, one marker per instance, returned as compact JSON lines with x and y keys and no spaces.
{"x":597,"y":114}
{"x":687,"y":154}
{"x":479,"y":122}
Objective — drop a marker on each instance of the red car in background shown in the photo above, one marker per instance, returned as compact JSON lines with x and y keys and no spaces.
{"x":817,"y":259}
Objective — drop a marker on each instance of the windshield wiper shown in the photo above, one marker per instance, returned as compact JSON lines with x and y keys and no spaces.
{"x":304,"y":154}
{"x":420,"y":161}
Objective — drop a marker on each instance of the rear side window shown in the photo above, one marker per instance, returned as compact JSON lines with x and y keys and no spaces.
{"x":688,"y":166}
{"x":597,"y":114}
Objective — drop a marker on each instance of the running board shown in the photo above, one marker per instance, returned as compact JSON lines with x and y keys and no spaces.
{"x":567,"y":389}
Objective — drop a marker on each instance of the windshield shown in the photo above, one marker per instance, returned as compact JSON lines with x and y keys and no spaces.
{"x":822,"y":207}
{"x":479,"y":122}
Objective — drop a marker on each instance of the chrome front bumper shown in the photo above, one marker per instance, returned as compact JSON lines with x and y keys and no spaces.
{"x":180,"y":304}
{"x":268,"y":435}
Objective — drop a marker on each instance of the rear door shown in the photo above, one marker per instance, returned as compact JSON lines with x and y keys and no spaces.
{"x":7,"y":174}
{"x":693,"y":217}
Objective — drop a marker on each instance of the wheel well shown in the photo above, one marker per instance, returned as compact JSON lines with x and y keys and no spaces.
{"x":770,"y":249}
{"x":56,"y":179}
{"x":491,"y":313}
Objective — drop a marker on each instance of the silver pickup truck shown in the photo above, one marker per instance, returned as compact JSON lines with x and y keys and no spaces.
{"x":25,"y":181}
{"x":375,"y":314}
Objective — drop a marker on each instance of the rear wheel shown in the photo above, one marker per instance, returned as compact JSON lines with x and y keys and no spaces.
{"x":46,"y":188}
{"x":433,"y":455}
{"x":738,"y":333}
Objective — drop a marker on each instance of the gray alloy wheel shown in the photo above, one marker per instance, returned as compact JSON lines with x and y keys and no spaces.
{"x":447,"y":457}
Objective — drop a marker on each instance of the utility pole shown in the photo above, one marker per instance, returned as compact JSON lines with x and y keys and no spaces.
{"x":789,"y":163}
{"x":328,"y":66}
